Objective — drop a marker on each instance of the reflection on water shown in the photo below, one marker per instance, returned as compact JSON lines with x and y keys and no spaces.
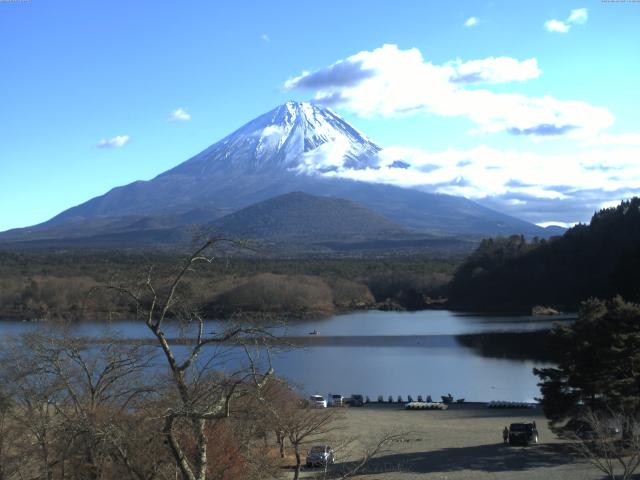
{"x":407,"y":353}
{"x":425,"y":322}
{"x":406,"y":371}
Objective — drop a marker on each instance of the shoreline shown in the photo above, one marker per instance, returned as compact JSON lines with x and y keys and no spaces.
{"x":489,"y":345}
{"x":434,"y":340}
{"x":313,"y":316}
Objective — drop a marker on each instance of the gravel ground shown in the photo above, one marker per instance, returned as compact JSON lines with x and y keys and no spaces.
{"x":463,"y":442}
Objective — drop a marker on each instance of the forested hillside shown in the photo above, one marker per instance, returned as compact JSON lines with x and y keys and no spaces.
{"x":601,"y":260}
{"x":56,"y":284}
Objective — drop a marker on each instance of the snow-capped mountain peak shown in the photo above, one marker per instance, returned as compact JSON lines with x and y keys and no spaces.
{"x":297,"y":137}
{"x":285,"y":150}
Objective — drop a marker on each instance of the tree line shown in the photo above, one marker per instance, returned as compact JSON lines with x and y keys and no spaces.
{"x":599,"y":260}
{"x":54,"y":285}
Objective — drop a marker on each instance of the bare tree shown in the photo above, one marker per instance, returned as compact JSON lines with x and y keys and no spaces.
{"x":35,"y":395}
{"x":610,"y":441}
{"x":304,"y":425}
{"x":367,"y":452}
{"x":292,"y":419}
{"x":71,"y":399}
{"x":199,"y":396}
{"x":9,"y":435}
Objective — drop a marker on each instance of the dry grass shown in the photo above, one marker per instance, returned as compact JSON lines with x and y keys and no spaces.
{"x":462,"y":443}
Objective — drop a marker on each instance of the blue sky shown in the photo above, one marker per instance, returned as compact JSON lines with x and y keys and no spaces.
{"x":99,"y":94}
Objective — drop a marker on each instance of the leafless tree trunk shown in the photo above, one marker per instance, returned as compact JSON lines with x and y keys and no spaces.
{"x":154,"y":307}
{"x":304,"y":425}
{"x":280,"y":438}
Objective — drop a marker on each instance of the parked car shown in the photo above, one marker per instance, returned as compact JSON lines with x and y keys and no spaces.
{"x":356,"y":400}
{"x":585,"y":430}
{"x":523,"y":434}
{"x":336,"y":400}
{"x":317,"y":401}
{"x":321,"y":455}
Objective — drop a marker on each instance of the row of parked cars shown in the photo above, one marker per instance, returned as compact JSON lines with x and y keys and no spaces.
{"x":324,"y":455}
{"x":336,"y":400}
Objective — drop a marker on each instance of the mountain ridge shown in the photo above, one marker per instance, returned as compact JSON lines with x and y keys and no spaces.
{"x":289,"y":149}
{"x":298,"y":215}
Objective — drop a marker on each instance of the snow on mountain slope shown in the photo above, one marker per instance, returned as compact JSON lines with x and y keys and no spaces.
{"x":295,"y":137}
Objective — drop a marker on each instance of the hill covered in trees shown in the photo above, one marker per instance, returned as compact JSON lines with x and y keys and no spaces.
{"x":300,"y":215}
{"x":56,"y":284}
{"x":601,"y":260}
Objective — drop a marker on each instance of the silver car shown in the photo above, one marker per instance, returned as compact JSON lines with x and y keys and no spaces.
{"x":321,"y":455}
{"x":317,"y":401}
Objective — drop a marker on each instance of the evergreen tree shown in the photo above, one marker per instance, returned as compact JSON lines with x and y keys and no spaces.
{"x":601,"y":260}
{"x":598,"y":361}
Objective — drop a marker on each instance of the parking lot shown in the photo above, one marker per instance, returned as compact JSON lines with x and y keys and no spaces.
{"x":462,"y":442}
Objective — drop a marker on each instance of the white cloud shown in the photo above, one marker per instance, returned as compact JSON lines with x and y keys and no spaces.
{"x":115,"y":142}
{"x":328,"y":156}
{"x":578,"y":16}
{"x":273,"y":131}
{"x":622,"y":139}
{"x":471,"y":22}
{"x":556,"y":224}
{"x":494,"y":70}
{"x":179,"y":115}
{"x":265,"y":37}
{"x":489,"y":171}
{"x":389,"y":81}
{"x":556,"y":26}
{"x":537,"y":187}
{"x":610,"y":204}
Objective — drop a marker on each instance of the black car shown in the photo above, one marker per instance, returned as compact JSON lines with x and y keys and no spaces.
{"x":321,"y":455}
{"x":356,"y":400}
{"x":523,"y":434}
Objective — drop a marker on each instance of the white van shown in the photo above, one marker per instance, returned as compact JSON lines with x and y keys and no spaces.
{"x":317,"y":401}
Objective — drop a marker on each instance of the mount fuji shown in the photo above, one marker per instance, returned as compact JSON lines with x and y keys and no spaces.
{"x":296,"y":147}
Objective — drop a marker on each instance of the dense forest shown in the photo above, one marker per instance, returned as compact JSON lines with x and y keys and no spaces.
{"x":596,"y":362}
{"x":601,"y":260}
{"x":35,"y":285}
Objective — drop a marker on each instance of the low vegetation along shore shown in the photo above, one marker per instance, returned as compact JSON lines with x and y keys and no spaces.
{"x":55,"y":285}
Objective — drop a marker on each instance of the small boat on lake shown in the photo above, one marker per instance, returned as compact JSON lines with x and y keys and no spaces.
{"x":315,"y":332}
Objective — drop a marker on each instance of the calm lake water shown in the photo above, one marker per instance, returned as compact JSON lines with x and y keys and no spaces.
{"x":392,"y":353}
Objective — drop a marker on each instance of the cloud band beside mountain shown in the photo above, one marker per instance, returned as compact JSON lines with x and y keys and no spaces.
{"x":389,"y":81}
{"x":529,"y":185}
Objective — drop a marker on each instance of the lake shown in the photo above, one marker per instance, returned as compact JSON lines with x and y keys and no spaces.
{"x":384,"y":353}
